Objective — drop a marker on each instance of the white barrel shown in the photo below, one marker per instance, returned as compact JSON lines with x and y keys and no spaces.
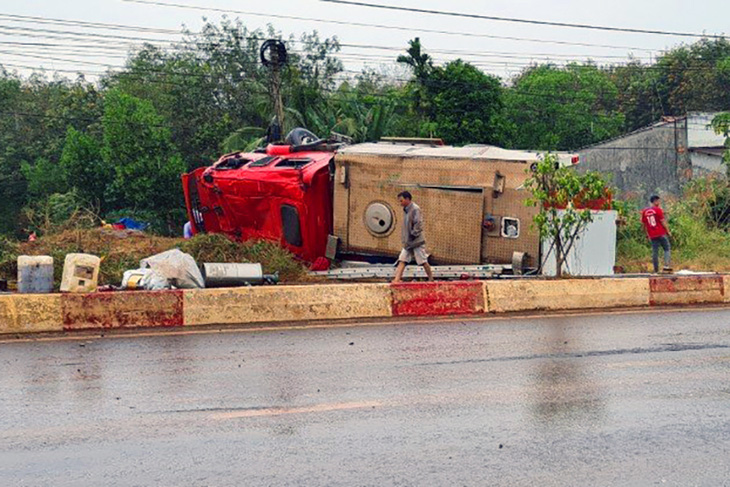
{"x":35,"y":274}
{"x":80,"y":273}
{"x":232,"y":275}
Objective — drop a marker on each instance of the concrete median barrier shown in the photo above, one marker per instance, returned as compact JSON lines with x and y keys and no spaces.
{"x":566,"y":294}
{"x":287,"y":304}
{"x":438,"y":298}
{"x":30,"y":313}
{"x":673,"y":290}
{"x":122,"y":310}
{"x":24,"y":313}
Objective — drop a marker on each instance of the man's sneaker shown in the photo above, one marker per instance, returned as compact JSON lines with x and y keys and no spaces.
{"x":667,"y":270}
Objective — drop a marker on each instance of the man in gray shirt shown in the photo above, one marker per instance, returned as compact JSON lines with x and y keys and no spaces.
{"x":412,"y":238}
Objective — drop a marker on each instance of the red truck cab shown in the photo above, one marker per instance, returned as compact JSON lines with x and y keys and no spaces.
{"x":279,"y":195}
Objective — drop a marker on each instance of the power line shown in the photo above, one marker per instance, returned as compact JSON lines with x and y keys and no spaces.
{"x":359,"y":57}
{"x":362,"y":57}
{"x":74,"y":48}
{"x":523,"y":21}
{"x":85,"y":24}
{"x":168,"y":73}
{"x":136,"y":73}
{"x":259,"y":38}
{"x":382,"y":26}
{"x":14,"y":29}
{"x":80,"y":50}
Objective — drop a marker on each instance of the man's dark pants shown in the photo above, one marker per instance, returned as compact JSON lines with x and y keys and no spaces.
{"x":662,"y":242}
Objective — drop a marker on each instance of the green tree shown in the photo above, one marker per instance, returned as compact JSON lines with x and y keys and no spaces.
{"x":44,"y":178}
{"x":211,"y":89}
{"x":421,"y":65}
{"x":464,"y":104}
{"x":567,"y":108}
{"x":84,"y":167}
{"x":695,"y":77}
{"x":639,"y":99}
{"x":420,"y":62}
{"x":558,"y":192}
{"x":35,"y":113}
{"x":146,"y":165}
{"x":12,"y":181}
{"x":721,"y":126}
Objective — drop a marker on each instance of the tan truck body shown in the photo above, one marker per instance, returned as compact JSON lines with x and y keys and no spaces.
{"x":458,"y":189}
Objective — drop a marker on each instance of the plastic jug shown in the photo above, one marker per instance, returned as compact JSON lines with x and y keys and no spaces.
{"x":35,"y":274}
{"x":80,"y":273}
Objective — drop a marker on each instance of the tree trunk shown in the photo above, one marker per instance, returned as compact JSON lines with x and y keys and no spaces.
{"x":559,"y":258}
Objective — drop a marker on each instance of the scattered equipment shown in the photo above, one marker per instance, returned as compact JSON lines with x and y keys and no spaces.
{"x":80,"y":273}
{"x":234,"y":275}
{"x":176,"y":267}
{"x":443,"y":272}
{"x":35,"y":274}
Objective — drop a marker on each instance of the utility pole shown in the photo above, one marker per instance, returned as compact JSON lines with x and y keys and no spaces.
{"x":274,"y":56}
{"x":276,"y":86}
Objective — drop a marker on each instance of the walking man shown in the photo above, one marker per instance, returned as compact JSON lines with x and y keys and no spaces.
{"x":658,"y":232}
{"x":412,"y":238}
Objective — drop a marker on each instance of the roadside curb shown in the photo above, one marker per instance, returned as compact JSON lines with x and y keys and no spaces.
{"x":21,"y":314}
{"x":688,"y":290}
{"x":567,"y":294}
{"x":438,"y":299}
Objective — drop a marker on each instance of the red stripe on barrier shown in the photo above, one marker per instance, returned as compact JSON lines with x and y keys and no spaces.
{"x":133,"y":309}
{"x":686,"y":290}
{"x":438,"y":299}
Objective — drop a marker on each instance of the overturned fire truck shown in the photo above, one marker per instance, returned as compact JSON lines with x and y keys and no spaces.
{"x":309,"y":193}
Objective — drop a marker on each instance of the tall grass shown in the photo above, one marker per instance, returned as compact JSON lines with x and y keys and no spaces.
{"x":700,"y":240}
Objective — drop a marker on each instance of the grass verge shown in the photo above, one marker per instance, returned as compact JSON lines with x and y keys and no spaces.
{"x":122,"y":250}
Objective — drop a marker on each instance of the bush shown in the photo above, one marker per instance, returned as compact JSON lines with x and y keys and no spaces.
{"x":8,"y":259}
{"x":219,"y":248}
{"x":59,"y":212}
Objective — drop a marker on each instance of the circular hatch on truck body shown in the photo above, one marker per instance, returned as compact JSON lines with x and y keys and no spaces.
{"x":379,"y":219}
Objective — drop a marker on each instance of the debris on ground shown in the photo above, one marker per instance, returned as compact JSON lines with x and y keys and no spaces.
{"x":35,"y":274}
{"x":320,"y":265}
{"x":122,"y":250}
{"x":130,"y":224}
{"x":236,"y":275}
{"x":80,"y":273}
{"x":172,"y":269}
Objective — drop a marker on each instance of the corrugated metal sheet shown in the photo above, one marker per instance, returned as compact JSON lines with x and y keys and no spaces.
{"x":477,"y":152}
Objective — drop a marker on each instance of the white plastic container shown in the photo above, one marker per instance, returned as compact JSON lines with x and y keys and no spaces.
{"x":135,"y":279}
{"x":80,"y":273}
{"x":35,"y":274}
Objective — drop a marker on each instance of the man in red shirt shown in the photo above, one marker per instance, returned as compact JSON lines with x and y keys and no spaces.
{"x":658,"y":232}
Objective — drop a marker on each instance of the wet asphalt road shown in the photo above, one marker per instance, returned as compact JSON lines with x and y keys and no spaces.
{"x":632,"y":399}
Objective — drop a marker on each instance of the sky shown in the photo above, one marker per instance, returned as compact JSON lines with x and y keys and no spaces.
{"x":500,"y":48}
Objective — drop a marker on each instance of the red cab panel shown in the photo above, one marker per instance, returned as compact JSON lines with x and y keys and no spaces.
{"x":285,"y":198}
